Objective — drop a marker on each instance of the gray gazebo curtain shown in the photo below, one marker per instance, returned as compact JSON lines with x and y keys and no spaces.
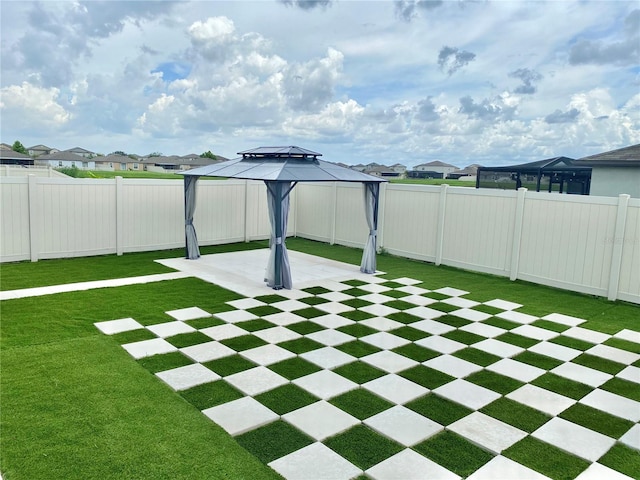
{"x":191,"y":240}
{"x":371,"y":192}
{"x":278,"y":274}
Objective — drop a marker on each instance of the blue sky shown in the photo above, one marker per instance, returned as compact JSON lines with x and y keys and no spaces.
{"x":487,"y":82}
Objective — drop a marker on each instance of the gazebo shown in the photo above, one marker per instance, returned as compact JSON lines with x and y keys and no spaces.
{"x":281,"y":168}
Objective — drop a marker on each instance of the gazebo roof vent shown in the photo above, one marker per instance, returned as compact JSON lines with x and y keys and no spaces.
{"x":280,"y":152}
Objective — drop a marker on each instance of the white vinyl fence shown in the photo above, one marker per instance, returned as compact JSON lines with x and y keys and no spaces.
{"x":580,"y":243}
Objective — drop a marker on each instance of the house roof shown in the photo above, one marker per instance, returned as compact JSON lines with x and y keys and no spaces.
{"x":114,"y":158}
{"x":39,"y":147}
{"x":9,"y":154}
{"x":436,"y":163}
{"x":66,"y":155}
{"x":286,"y":164}
{"x":622,"y":157}
{"x":78,"y":150}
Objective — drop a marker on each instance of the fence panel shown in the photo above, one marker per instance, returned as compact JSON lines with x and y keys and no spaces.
{"x":14,"y":219}
{"x":565,"y":241}
{"x":73,"y":218}
{"x":478,"y":229}
{"x":351,"y":227}
{"x":411,"y":220}
{"x":315,"y":211}
{"x":629,"y":286}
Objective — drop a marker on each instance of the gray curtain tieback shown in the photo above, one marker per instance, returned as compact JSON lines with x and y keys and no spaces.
{"x":278,"y":240}
{"x":373,"y":232}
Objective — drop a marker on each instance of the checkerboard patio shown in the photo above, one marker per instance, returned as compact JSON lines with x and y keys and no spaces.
{"x":399,"y":371}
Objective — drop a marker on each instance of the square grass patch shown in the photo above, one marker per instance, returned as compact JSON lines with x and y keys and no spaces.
{"x":439,"y":409}
{"x":313,"y":300}
{"x":572,"y":343}
{"x":355,"y":303}
{"x":359,"y":372}
{"x":623,"y":459}
{"x":355,"y":292}
{"x":392,"y":284}
{"x":562,"y":386}
{"x":305,"y":328}
{"x":598,"y":363}
{"x":427,"y":377}
{"x":167,"y":361}
{"x":403,"y":317}
{"x":537,"y":360}
{"x":310,"y":312}
{"x":464,"y":337}
{"x":361,"y":403}
{"x":396,"y":294}
{"x":188,"y":339}
{"x":357,"y":348}
{"x":294,"y":368}
{"x":273,"y":441}
{"x":553,"y":326}
{"x":500,"y":323}
{"x":518,"y":340}
{"x":210,"y":394}
{"x":363,"y":447}
{"x":622,"y":387}
{"x":272,"y":298}
{"x":263,"y":310}
{"x":200,"y":323}
{"x":494,"y":381}
{"x":545,"y":458}
{"x":301,"y":345}
{"x":488,"y":309}
{"x":255,"y":325}
{"x":229,"y":365}
{"x":444,"y":307}
{"x":357,"y":330}
{"x":133,"y":336}
{"x":354,"y":283}
{"x":435,"y":295}
{"x":623,"y":344}
{"x":454,"y":453}
{"x":410,"y":333}
{"x":476,"y":356}
{"x":516,"y":414}
{"x":416,"y":352}
{"x":454,"y":321}
{"x":597,"y":420}
{"x":244,"y":342}
{"x":399,"y":304}
{"x":356,"y":315}
{"x":286,"y":398}
{"x":316,"y":290}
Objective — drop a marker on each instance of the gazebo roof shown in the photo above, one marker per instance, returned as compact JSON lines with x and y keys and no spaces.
{"x":285,"y":164}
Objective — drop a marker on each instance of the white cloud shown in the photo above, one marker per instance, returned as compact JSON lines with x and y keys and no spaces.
{"x":32,"y":107}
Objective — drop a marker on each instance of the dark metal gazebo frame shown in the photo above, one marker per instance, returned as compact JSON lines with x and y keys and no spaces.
{"x":560,"y":170}
{"x":281,"y":168}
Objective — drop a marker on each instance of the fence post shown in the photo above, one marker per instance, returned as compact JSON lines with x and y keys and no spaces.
{"x":618,"y":244}
{"x":33,"y":216}
{"x":517,"y":233}
{"x":441,"y":219}
{"x":382,"y":201}
{"x":246,"y":210}
{"x":332,"y":240}
{"x":119,"y":216}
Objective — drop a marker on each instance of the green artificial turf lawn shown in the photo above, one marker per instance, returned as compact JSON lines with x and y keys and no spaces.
{"x":294,"y":368}
{"x":597,"y":420}
{"x":159,"y":363}
{"x":494,"y":381}
{"x":359,"y":372}
{"x":427,"y":377}
{"x":562,"y":386}
{"x":439,"y":409}
{"x":476,"y":356}
{"x":226,"y":366}
{"x":599,"y":363}
{"x":101,"y":414}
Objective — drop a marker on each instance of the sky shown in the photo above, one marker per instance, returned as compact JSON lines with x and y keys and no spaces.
{"x":409,"y":81}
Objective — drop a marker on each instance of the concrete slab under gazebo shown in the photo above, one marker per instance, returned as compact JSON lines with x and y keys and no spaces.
{"x":281,"y":168}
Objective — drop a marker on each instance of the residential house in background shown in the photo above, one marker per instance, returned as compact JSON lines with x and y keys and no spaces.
{"x":82,"y":152}
{"x":614,"y":172}
{"x":399,"y":168}
{"x":9,"y":157}
{"x":436,"y":166}
{"x":114,"y":162}
{"x":38,"y":150}
{"x":467,"y":174}
{"x":64,"y":159}
{"x":381,"y":171}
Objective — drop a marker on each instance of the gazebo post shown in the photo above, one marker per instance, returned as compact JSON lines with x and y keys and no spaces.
{"x":278,"y":284}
